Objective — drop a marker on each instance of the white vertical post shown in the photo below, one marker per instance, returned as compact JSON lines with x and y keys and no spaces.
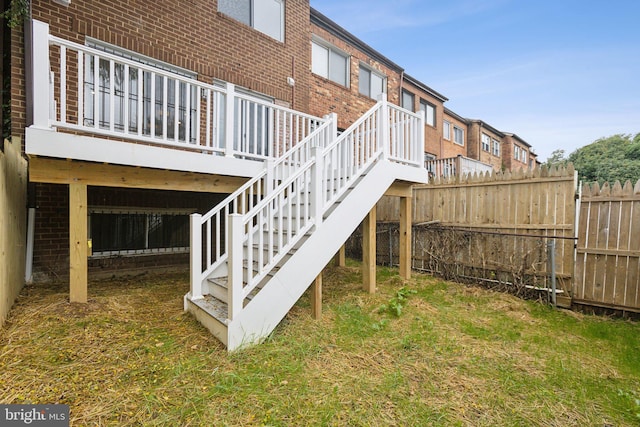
{"x":39,"y":71}
{"x":270,"y":177}
{"x":316,"y":185}
{"x":195,"y":255}
{"x":383,"y":126}
{"x":235,"y":295}
{"x":229,"y":119}
{"x":333,"y":128}
{"x":418,"y":146}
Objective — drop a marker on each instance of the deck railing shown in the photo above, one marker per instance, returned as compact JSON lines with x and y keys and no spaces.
{"x":95,"y":92}
{"x":455,"y":166}
{"x":325,"y":166}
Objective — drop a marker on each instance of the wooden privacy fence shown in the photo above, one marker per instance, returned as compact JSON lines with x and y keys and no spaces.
{"x":608,"y":252}
{"x":495,"y":227}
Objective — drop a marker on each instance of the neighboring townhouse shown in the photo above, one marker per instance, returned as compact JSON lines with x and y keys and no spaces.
{"x":416,"y":96}
{"x":517,"y":153}
{"x":454,"y":135}
{"x":485,"y":143}
{"x":181,"y":134}
{"x":347,"y":75}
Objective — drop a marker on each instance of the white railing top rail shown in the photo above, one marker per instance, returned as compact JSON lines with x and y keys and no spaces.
{"x":94,"y":91}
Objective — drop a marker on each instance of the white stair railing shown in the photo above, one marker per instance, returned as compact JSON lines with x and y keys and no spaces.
{"x":276,"y":224}
{"x":99,"y":93}
{"x":211,"y":232}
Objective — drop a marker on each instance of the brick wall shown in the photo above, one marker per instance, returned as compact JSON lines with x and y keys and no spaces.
{"x":329,"y":97}
{"x":476,"y":129}
{"x":190,"y":35}
{"x":51,"y":252}
{"x":433,"y":141}
{"x":449,"y":148}
{"x":193,"y":35}
{"x":508,"y":146}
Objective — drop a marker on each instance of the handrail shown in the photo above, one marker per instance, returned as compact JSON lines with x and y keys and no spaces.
{"x":214,"y":225}
{"x":100,"y":93}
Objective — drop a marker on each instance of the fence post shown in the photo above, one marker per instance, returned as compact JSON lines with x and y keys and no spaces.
{"x":235,"y":297}
{"x":551,"y":250}
{"x":195,"y":255}
{"x":229,"y":119}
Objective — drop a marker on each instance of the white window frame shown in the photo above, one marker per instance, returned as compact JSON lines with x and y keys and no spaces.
{"x":429,"y":112}
{"x":369,"y":90}
{"x":257,"y":15}
{"x":446,"y":130}
{"x":496,"y":147}
{"x":516,"y":152}
{"x":319,"y":45}
{"x":486,"y":142}
{"x":413,"y":100}
{"x":458,"y":131}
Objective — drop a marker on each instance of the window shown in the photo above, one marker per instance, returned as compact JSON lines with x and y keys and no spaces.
{"x":516,"y":152}
{"x":371,"y":83}
{"x":407,"y":100}
{"x":458,"y":135}
{"x":180,"y":103}
{"x":486,"y":142}
{"x":120,"y":232}
{"x":446,"y":130}
{"x":496,"y":147}
{"x":523,"y":155}
{"x":266,"y":16}
{"x":429,"y":112}
{"x":329,"y":62}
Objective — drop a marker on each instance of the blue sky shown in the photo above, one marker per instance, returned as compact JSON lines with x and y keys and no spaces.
{"x":559,"y":74}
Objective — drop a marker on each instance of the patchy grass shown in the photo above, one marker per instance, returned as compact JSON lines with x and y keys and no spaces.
{"x":418,"y":352}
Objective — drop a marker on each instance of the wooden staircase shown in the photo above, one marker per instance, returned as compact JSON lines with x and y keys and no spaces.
{"x":255,"y":254}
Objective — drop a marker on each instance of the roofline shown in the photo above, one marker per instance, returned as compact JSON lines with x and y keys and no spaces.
{"x":488,"y":126}
{"x":456,"y":115}
{"x":327,"y":24}
{"x":417,"y":83}
{"x":513,"y":135}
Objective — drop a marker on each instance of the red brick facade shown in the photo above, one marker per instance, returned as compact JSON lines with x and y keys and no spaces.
{"x":477,"y":128}
{"x":525,"y":158}
{"x":190,"y":35}
{"x":346,"y":101}
{"x":449,"y":147}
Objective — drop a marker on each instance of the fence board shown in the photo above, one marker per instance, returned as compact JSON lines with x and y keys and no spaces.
{"x":608,"y":254}
{"x":539,"y":203}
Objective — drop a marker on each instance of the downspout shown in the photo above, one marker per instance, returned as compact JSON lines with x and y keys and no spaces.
{"x":31,"y":227}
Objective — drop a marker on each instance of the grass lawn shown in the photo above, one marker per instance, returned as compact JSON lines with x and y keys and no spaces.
{"x":418,"y":352}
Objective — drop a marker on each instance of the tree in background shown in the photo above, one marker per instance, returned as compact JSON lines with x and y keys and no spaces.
{"x":615,"y":158}
{"x":557,"y":158}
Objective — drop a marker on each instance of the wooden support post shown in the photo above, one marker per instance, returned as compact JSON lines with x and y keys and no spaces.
{"x":405,"y":237}
{"x":369,"y":252}
{"x":78,"y":243}
{"x":341,"y":258}
{"x":316,"y":297}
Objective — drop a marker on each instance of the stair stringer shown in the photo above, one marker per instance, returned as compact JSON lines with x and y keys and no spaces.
{"x":260,"y":317}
